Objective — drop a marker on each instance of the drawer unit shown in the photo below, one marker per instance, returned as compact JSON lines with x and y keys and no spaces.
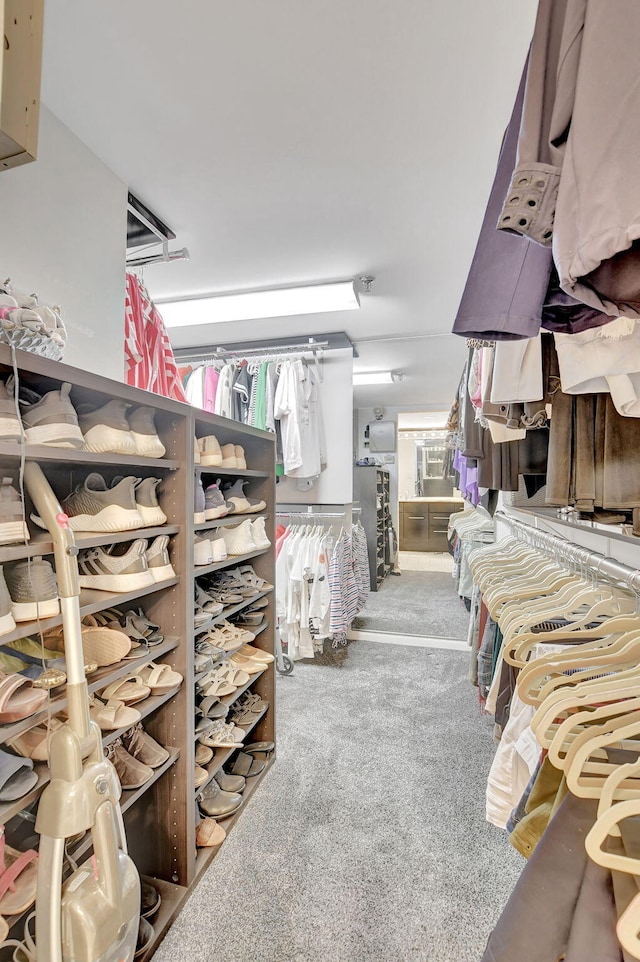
{"x":423,"y":524}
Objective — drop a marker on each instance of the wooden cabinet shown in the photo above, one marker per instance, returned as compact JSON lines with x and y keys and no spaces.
{"x":423,"y":524}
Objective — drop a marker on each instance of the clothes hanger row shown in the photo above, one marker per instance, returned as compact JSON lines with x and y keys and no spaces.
{"x":570,"y":621}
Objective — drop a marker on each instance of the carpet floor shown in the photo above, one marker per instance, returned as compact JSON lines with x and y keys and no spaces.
{"x":367,"y":840}
{"x":416,"y":603}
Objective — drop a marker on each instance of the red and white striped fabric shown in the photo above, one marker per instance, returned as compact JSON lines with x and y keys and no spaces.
{"x":149,"y":360}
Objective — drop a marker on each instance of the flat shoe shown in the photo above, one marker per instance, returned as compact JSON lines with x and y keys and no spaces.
{"x":200,"y":776}
{"x":203,"y":755}
{"x":259,"y":748}
{"x":246,"y":765}
{"x":160,"y":678}
{"x":127,"y":690}
{"x":209,"y":833}
{"x":230,"y":783}
{"x":114,"y":715}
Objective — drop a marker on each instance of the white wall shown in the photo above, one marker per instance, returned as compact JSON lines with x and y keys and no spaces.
{"x":406,"y":467}
{"x":64,"y":236}
{"x":335,"y":485}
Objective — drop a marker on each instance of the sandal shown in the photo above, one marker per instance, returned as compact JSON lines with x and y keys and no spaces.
{"x":259,"y":748}
{"x":114,"y":715}
{"x":248,"y":574}
{"x":160,"y":678}
{"x":35,"y":742}
{"x":18,"y":698}
{"x":127,"y":690}
{"x":18,"y":878}
{"x":251,"y":665}
{"x":246,"y":765}
{"x":217,"y":596}
{"x":17,"y":777}
{"x":212,"y":707}
{"x":213,"y":686}
{"x":206,"y":602}
{"x":234,"y":676}
{"x":250,"y":652}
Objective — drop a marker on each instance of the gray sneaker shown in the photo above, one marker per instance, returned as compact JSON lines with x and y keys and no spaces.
{"x":107,"y":429}
{"x":33,"y":589}
{"x":215,"y":505}
{"x":143,"y":430}
{"x":241,"y":504}
{"x":106,"y":570}
{"x":147,"y":502}
{"x":95,"y":507}
{"x":158,"y":559}
{"x":10,"y":423}
{"x":12,"y":521}
{"x":7,"y":622}
{"x":50,"y":418}
{"x":199,"y":502}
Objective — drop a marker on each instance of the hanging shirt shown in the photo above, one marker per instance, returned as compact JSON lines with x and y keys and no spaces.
{"x":195,"y":388}
{"x":241,"y":392}
{"x":211,"y":378}
{"x":150,"y":363}
{"x":223,"y":404}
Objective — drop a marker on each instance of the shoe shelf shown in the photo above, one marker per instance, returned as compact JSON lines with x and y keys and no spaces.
{"x":97,"y":680}
{"x":128,"y":798}
{"x":146,"y":708}
{"x":221,"y":757}
{"x":206,"y":855}
{"x":230,"y":699}
{"x":41,"y":543}
{"x":230,"y":612}
{"x":173,"y":896}
{"x":47,"y":453}
{"x":91,"y":601}
{"x":228,"y":520}
{"x":230,"y":562}
{"x":161,"y":829}
{"x":231,"y":472}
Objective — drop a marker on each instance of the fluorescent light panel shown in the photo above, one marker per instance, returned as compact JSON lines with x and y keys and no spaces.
{"x":372,"y":377}
{"x":277,"y":302}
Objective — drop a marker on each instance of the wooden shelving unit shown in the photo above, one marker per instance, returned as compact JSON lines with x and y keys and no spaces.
{"x":160,"y":816}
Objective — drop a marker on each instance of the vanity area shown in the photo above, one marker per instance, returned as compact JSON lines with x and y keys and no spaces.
{"x":424,"y":521}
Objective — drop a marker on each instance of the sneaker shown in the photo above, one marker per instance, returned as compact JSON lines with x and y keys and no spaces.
{"x":52,"y":322}
{"x":209,"y":450}
{"x":33,"y":589}
{"x":229,"y":459}
{"x":239,"y":539}
{"x":12,"y":524}
{"x":7,"y":621}
{"x":199,"y":516}
{"x":219,"y":547}
{"x":158,"y":559}
{"x":50,"y":418}
{"x":10,"y":423}
{"x":143,"y":431}
{"x":259,"y":533}
{"x":95,"y":507}
{"x":234,"y":494}
{"x":196,"y":451}
{"x":202,"y":551}
{"x":103,"y":569}
{"x":241,"y":461}
{"x":147,"y":502}
{"x":215,"y":505}
{"x":106,"y":430}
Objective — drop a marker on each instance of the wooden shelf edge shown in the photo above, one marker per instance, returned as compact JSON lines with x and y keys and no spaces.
{"x":236,"y":559}
{"x":234,"y":472}
{"x":48,"y":453}
{"x":41,"y":543}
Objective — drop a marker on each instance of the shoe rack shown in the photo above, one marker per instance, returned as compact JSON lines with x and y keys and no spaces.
{"x":160,"y":817}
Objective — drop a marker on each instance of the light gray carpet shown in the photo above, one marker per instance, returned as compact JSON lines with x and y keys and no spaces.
{"x":416,"y":603}
{"x":367,"y":840}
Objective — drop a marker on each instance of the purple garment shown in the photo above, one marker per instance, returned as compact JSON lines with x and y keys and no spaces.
{"x":211,"y":378}
{"x":511,"y":289}
{"x":468,"y":483}
{"x":509,"y":274}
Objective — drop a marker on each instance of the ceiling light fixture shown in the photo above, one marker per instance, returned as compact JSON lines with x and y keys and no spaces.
{"x":362,"y":378}
{"x":253,"y":305}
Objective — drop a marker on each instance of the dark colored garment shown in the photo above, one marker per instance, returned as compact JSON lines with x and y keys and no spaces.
{"x":485,"y":657}
{"x":592,"y":454}
{"x":241,"y":393}
{"x":520,"y":810}
{"x":562,"y":906}
{"x":509,"y":275}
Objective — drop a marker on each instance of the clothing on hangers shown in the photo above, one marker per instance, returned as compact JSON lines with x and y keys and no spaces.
{"x":150,"y":363}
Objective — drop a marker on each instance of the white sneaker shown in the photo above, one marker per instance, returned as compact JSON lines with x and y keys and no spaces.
{"x":210,"y":452}
{"x":100,"y":568}
{"x":196,"y":452}
{"x":158,"y":559}
{"x":259,"y":534}
{"x":202,"y":551}
{"x":219,"y":548}
{"x":239,"y":539}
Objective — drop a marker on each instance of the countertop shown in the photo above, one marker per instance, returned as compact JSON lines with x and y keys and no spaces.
{"x":431,"y":500}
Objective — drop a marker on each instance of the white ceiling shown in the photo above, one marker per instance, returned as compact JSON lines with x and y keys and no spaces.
{"x":294,"y":141}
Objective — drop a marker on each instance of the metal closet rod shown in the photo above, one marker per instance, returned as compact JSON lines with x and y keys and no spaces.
{"x":310,"y":347}
{"x":601,"y":565}
{"x":308,"y":515}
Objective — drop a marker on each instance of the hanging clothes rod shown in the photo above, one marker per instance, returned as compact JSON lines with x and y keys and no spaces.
{"x":310,"y":347}
{"x":600,"y":564}
{"x":308,"y":515}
